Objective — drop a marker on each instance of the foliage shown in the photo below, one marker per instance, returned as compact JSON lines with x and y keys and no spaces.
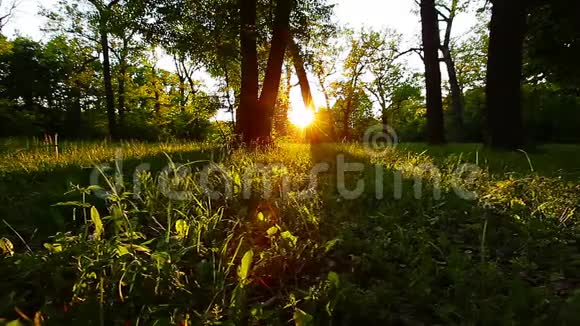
{"x":143,"y":257}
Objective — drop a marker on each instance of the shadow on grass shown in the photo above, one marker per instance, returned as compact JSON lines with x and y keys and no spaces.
{"x":27,"y":199}
{"x":555,"y":160}
{"x":439,"y":261}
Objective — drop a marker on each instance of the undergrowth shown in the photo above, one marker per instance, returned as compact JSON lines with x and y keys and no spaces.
{"x":250,"y":239}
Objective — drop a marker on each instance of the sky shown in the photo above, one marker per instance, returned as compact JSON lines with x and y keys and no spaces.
{"x":375,"y":14}
{"x":355,"y":13}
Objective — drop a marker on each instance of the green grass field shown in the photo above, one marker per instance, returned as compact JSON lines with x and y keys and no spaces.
{"x":448,"y":235}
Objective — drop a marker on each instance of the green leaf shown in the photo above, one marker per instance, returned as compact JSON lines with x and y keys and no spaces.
{"x":161,"y":258}
{"x":140,"y":248}
{"x":74,"y":204}
{"x":244,"y":268}
{"x":182,"y":229}
{"x":286,"y":235}
{"x":6,"y":247}
{"x":334,"y":279}
{"x":53,"y":248}
{"x":272,"y":231}
{"x":96,"y":218}
{"x":302,"y":318}
{"x":14,"y":323}
{"x":330,"y":244}
{"x":121,"y":251}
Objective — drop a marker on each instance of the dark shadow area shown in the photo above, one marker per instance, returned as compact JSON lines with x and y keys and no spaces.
{"x":402,"y":257}
{"x":27,"y":199}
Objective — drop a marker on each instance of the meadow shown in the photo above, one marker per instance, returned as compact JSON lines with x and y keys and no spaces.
{"x":325,"y":234}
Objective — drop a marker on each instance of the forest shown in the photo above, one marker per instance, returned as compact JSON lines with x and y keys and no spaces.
{"x":192,"y":162}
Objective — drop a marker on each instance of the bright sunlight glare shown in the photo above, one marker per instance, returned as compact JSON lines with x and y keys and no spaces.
{"x":300,"y":116}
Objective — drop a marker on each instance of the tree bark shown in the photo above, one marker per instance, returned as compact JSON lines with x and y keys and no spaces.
{"x":504,"y":73}
{"x":121,"y":95}
{"x":247,"y":110}
{"x":305,"y":89}
{"x":182,"y":99}
{"x":456,"y":93}
{"x":273,"y":75}
{"x":431,"y":43}
{"x":455,"y":89}
{"x":156,"y":94}
{"x":109,"y":94}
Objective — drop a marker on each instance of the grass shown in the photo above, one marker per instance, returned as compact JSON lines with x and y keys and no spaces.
{"x":268,"y":246}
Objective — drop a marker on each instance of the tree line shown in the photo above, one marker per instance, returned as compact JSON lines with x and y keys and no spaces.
{"x":510,"y":81}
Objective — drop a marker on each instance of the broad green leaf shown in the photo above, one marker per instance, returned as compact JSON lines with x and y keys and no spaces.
{"x":182,"y":229}
{"x":139,"y":248}
{"x":272,"y":231}
{"x":6,"y":247}
{"x":121,"y":251}
{"x":96,"y":218}
{"x":53,"y":248}
{"x":161,"y":258}
{"x":289,"y":237}
{"x":334,"y":279}
{"x":14,"y":323}
{"x":244,"y":268}
{"x":302,"y":318}
{"x":329,"y":245}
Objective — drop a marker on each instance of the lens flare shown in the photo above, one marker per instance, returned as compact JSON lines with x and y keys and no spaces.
{"x":301,"y":116}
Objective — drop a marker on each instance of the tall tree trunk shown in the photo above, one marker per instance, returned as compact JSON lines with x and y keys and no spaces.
{"x":74,"y":116}
{"x":271,"y":86}
{"x":156,"y":94}
{"x":182,"y":99}
{"x":294,"y":50}
{"x":385,"y":120}
{"x":504,"y":73}
{"x":247,"y":110}
{"x":456,"y":92}
{"x":346,"y":134}
{"x":431,"y":43}
{"x":109,"y":94}
{"x":121,"y":94}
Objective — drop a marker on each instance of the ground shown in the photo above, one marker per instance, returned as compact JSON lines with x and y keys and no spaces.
{"x":436,"y":235}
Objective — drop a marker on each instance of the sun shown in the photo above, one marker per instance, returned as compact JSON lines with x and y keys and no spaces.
{"x":301,"y":116}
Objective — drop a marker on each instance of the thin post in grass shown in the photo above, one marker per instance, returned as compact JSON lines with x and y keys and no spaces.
{"x":56,"y":145}
{"x":50,"y":141}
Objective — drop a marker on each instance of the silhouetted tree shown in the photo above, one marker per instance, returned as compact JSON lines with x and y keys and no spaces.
{"x":255,"y":114}
{"x":504,"y":72}
{"x":431,"y":43}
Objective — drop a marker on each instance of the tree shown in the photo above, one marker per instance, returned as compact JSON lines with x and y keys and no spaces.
{"x":92,"y":21}
{"x":255,"y":114}
{"x":387,"y":72}
{"x":324,"y":65}
{"x":123,"y":28}
{"x":448,"y":13}
{"x":504,"y":73}
{"x":299,"y":66}
{"x":363,"y":47}
{"x":551,"y":46}
{"x":104,"y":13}
{"x":431,"y":44}
{"x":7,"y":9}
{"x":470,"y":56}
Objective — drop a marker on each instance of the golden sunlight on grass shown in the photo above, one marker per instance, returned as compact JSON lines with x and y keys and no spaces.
{"x":301,"y":116}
